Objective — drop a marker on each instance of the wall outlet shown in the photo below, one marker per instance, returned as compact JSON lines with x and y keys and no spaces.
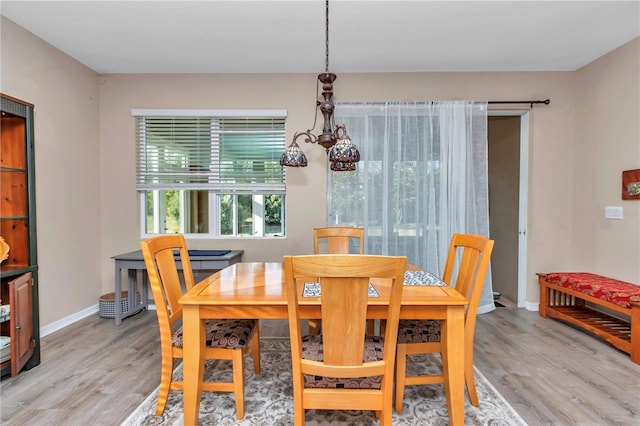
{"x":613,"y":213}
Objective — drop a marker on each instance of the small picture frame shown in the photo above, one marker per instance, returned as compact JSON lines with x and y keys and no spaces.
{"x":631,"y":184}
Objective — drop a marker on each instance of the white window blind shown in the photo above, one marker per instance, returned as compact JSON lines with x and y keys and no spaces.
{"x":235,"y":152}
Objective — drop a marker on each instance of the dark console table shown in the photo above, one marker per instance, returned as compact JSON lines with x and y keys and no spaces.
{"x":134,"y":262}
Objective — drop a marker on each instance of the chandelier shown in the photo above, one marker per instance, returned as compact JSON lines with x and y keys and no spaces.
{"x":343,"y":155}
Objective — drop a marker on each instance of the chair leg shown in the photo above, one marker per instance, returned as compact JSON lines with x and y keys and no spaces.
{"x":298,"y":414}
{"x":469,"y":380}
{"x":166,"y":376}
{"x":238,"y":382}
{"x":385,"y":417}
{"x":371,"y":327}
{"x":255,"y":350}
{"x":298,"y":408}
{"x":401,"y":372}
{"x":314,"y":327}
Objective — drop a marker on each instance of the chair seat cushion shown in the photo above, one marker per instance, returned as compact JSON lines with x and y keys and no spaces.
{"x":312,"y":350}
{"x":223,"y":333}
{"x":418,"y":331}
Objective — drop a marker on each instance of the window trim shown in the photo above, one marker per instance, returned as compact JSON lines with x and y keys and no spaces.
{"x":209,"y":112}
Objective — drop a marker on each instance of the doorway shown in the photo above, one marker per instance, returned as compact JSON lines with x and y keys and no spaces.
{"x":507,"y":150}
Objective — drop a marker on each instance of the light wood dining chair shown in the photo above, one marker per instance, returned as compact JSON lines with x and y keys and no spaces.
{"x":469,"y":255}
{"x":338,"y":241}
{"x":226,"y":339}
{"x":343,"y":369}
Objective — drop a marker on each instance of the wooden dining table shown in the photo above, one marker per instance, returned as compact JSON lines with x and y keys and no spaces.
{"x":257,"y":290}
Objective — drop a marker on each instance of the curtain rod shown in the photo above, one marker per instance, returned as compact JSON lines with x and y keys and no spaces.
{"x":546,"y":102}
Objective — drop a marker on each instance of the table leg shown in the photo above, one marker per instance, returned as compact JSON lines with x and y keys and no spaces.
{"x":145,"y":289}
{"x":193,"y":362}
{"x":452,"y":330}
{"x":133,"y":292}
{"x":117,"y":298}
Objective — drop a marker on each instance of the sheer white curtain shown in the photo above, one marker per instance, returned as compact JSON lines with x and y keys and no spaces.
{"x":422,"y":178}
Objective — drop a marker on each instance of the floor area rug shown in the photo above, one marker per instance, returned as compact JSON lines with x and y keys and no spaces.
{"x":269,"y":400}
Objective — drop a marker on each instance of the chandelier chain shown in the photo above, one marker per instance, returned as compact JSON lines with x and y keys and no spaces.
{"x":326,"y":26}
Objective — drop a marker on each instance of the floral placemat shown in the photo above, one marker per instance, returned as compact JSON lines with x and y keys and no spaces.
{"x":312,"y":289}
{"x":422,"y":278}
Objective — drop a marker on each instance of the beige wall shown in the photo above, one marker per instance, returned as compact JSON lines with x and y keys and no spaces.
{"x":607,"y":142}
{"x":67,"y":151}
{"x":88,"y":207}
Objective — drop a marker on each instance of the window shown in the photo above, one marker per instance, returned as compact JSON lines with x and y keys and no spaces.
{"x":211,"y":173}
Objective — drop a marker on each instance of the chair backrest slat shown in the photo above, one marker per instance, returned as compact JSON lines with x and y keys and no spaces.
{"x":338,"y":239}
{"x":339,"y":295}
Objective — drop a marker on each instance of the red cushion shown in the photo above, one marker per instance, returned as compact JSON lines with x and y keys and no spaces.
{"x":604,"y":288}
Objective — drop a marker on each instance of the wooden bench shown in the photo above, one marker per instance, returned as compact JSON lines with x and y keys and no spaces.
{"x":574,"y":297}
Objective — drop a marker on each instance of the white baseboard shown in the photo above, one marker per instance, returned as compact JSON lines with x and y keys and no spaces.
{"x":529,"y":306}
{"x":60,"y":324}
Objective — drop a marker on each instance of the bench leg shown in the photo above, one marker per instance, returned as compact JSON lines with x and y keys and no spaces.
{"x":544,"y":297}
{"x":635,"y":330}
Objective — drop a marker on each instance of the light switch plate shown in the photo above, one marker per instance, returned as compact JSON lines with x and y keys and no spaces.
{"x":613,"y":213}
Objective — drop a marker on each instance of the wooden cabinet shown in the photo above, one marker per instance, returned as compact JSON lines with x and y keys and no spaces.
{"x":19,"y":271}
{"x":19,"y":326}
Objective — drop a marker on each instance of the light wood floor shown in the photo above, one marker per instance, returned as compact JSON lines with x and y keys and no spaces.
{"x":93,"y":372}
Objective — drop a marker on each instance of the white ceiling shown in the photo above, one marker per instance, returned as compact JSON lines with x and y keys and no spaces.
{"x":365,"y":36}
